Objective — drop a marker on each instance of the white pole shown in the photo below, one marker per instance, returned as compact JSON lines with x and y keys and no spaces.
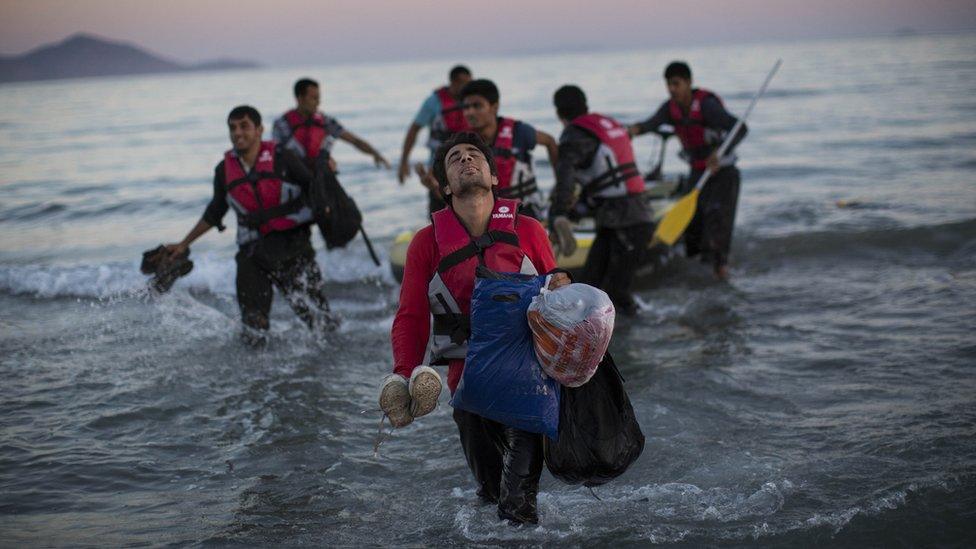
{"x":738,"y":125}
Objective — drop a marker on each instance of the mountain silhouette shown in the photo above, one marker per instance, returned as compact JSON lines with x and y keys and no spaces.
{"x":85,"y":55}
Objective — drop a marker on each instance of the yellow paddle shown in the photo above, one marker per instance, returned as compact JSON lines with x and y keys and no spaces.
{"x":676,"y":220}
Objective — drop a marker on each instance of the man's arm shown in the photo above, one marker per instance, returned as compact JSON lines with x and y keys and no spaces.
{"x":212,"y":216}
{"x":552,"y":148}
{"x":365,"y":147}
{"x":662,"y":116}
{"x":411,"y":325}
{"x":408,"y":142}
{"x":715,"y":116}
{"x":576,"y":149}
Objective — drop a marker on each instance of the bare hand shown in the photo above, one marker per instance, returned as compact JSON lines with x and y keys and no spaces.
{"x":562,"y":237}
{"x":559,"y":280}
{"x":176,"y":250}
{"x":427,"y":179}
{"x":713,"y":164}
{"x":403,"y":173}
{"x":333,"y":166}
{"x":380,"y":161}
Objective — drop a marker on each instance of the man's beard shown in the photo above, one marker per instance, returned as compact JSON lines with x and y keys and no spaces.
{"x":472,"y":185}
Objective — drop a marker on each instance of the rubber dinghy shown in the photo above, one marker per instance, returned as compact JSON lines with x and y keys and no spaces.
{"x":660,"y":196}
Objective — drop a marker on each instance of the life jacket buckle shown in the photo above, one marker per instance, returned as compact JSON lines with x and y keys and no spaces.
{"x":483,"y":242}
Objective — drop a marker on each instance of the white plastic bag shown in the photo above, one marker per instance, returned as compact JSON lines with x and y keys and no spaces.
{"x":571,"y":329}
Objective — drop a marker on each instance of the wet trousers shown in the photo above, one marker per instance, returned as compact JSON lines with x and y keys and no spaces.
{"x":506,"y":463}
{"x":285,"y":260}
{"x":710,"y":232}
{"x":613,"y":260}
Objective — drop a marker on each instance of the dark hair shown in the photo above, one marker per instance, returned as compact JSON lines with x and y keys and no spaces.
{"x":679,"y":69}
{"x":303,"y":85}
{"x":484,"y":88}
{"x":245,"y":111}
{"x":457,"y":71}
{"x":460,"y":138}
{"x":570,"y":102}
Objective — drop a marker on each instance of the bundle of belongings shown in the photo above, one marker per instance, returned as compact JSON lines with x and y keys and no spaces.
{"x":537,"y":361}
{"x":571,"y":327}
{"x":163,"y":268}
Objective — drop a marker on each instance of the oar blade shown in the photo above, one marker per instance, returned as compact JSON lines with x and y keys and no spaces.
{"x":674,"y":223}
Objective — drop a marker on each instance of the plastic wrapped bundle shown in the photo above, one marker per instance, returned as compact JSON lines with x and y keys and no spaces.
{"x":571,"y":329}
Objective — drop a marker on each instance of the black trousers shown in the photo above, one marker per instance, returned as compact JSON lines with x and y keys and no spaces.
{"x":710,"y":232}
{"x":614,"y":258}
{"x":506,"y":463}
{"x":285,"y":260}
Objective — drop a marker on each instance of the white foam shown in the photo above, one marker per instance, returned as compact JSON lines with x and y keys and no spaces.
{"x":211,"y":273}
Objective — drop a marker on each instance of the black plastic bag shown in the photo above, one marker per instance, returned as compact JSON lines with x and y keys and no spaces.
{"x":335,"y":212}
{"x":599,"y":437}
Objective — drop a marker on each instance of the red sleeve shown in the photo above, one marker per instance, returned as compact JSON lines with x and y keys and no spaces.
{"x":535,"y":241}
{"x":411,"y":326}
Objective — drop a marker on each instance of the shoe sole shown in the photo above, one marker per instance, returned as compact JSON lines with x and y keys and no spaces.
{"x":395,"y":403}
{"x":424,"y":392}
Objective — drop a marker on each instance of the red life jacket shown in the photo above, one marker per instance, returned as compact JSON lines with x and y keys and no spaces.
{"x":613,"y":172}
{"x":691,"y":128}
{"x":449,"y":291}
{"x":451,"y":111}
{"x":502,"y":150}
{"x":263,"y":202}
{"x":308,"y":132}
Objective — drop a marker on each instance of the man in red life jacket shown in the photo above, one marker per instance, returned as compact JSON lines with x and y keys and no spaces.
{"x":438,"y":280}
{"x":511,"y":142}
{"x":310,"y":133}
{"x":441,"y":113}
{"x":595,"y":153}
{"x":701,"y":123}
{"x":263,"y":183}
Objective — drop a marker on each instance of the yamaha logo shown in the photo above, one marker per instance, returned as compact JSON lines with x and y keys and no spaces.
{"x":504,"y":209}
{"x":606,"y":123}
{"x":265,"y":156}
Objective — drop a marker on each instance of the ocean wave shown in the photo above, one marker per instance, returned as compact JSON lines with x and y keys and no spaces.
{"x":942,"y":240}
{"x":211,"y":273}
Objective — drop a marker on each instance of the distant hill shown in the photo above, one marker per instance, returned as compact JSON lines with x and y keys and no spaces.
{"x":84,"y":55}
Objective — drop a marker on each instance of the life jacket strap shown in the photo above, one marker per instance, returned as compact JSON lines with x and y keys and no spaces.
{"x":476,"y":247}
{"x":613,"y":176}
{"x":252,"y":177}
{"x":256,"y":219}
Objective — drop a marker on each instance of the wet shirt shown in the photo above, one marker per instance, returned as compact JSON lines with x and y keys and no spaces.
{"x":411,"y":326}
{"x":281,"y":132}
{"x":577,"y":149}
{"x":287,"y":166}
{"x":714,"y":116}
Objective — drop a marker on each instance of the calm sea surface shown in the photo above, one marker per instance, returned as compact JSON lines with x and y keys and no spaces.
{"x":825,"y":396}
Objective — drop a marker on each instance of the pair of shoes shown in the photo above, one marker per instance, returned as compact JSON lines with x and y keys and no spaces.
{"x":402,"y":401}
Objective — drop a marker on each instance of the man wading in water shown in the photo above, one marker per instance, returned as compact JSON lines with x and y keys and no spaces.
{"x":511,"y":142}
{"x":438,"y":280}
{"x":701,"y":123}
{"x":441,"y":112}
{"x":264,"y":184}
{"x":310,"y":133}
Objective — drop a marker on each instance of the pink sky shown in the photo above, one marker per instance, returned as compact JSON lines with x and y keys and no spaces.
{"x":315,"y":31}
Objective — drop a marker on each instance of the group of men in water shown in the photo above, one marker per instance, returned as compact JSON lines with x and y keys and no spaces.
{"x":486,"y":209}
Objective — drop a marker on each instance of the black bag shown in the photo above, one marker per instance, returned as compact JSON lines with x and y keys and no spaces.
{"x":335,"y":212}
{"x":599,"y":437}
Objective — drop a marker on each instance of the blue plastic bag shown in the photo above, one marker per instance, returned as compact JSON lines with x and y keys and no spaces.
{"x":503,"y":380}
